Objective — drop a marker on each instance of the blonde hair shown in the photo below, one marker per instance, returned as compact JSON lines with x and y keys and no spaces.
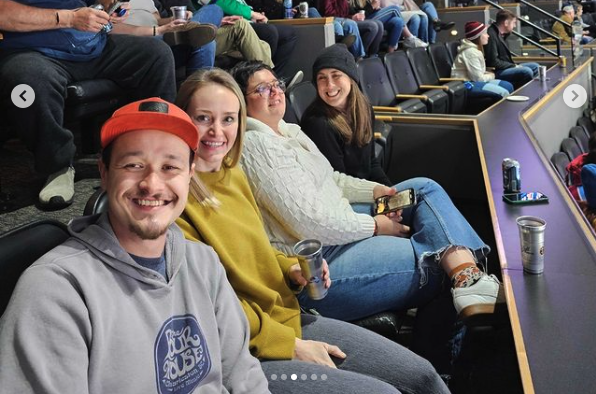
{"x":201,"y":79}
{"x":354,"y":125}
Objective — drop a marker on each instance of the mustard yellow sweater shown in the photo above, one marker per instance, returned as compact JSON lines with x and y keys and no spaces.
{"x":258,"y":273}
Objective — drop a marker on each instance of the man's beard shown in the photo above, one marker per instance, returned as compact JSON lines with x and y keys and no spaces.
{"x":148,"y":232}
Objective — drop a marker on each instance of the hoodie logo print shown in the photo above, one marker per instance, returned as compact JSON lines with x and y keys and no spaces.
{"x":182,"y":358}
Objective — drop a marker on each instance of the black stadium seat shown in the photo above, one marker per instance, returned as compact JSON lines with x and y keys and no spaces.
{"x":560,"y":161}
{"x":580,"y":136}
{"x":571,"y":148}
{"x":376,"y":86}
{"x":300,"y":96}
{"x":587,"y":124}
{"x":441,"y":59}
{"x":427,"y":75}
{"x":452,"y":47}
{"x":403,"y":81}
{"x":21,"y":247}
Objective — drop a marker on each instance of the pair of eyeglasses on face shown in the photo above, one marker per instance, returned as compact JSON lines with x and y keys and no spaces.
{"x":265,"y":89}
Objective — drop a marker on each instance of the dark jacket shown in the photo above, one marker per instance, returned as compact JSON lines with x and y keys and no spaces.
{"x":496,"y":52}
{"x":351,"y":159}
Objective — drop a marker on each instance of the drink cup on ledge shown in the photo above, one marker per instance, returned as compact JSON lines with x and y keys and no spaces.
{"x":310,"y":257}
{"x":531,"y":235}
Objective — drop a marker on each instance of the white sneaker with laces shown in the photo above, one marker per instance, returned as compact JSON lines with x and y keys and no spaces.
{"x":483,"y":297}
{"x":414,"y":42}
{"x":58,"y":192}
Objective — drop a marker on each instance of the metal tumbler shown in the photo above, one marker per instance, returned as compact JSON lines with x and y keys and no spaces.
{"x":309,"y":253}
{"x":179,"y":12}
{"x":531,"y":235}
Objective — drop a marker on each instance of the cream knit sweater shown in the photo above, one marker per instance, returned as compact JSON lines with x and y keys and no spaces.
{"x":298,"y":192}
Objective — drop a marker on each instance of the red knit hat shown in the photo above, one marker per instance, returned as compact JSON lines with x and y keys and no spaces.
{"x":474,"y":30}
{"x":150,"y":114}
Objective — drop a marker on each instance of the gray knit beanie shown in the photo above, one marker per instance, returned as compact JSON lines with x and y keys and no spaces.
{"x":335,"y":56}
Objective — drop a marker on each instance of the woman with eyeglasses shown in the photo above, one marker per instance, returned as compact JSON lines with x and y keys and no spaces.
{"x":265,"y":279}
{"x":381,"y":263}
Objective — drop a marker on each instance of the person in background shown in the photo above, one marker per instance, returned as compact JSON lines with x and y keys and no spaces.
{"x":469,"y":64}
{"x":60,"y":43}
{"x":378,"y":263}
{"x":340,"y":119}
{"x":353,"y":359}
{"x":393,"y":22}
{"x":574,"y":170}
{"x":126,"y":304}
{"x":281,"y":38}
{"x":145,"y":20}
{"x":414,"y":17}
{"x":369,"y":31}
{"x":564,"y":32}
{"x":498,"y":55}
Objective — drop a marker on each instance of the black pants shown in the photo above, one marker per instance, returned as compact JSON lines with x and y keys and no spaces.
{"x":282,"y":40}
{"x":142,"y":65}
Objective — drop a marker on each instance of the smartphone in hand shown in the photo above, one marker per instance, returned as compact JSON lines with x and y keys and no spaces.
{"x":400,"y":200}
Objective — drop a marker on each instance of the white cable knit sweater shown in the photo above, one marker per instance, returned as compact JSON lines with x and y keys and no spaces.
{"x":298,"y":192}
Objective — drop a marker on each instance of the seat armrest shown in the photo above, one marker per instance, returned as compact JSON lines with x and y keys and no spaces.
{"x":411,"y":96}
{"x":377,"y":108}
{"x":451,"y":79}
{"x":429,"y":87}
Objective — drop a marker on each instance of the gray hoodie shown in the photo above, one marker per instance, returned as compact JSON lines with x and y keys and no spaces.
{"x":86,"y":318}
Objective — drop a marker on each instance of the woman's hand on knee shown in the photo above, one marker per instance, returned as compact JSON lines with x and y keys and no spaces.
{"x":317,"y":352}
{"x":391,"y":226}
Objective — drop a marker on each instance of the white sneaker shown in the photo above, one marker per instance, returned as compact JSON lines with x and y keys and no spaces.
{"x":482,"y":298}
{"x":58,"y":192}
{"x":414,"y":42}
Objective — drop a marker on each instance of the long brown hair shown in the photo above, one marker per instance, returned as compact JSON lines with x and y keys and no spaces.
{"x":354,"y":124}
{"x":198,"y":80}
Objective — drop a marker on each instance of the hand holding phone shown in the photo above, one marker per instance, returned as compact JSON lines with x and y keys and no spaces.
{"x":525,"y":198}
{"x":400,"y":200}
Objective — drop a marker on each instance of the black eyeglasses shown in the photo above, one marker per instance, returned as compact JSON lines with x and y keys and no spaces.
{"x":265,"y":89}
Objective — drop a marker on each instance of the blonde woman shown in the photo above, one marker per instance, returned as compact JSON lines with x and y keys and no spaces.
{"x":469,"y":64}
{"x":343,"y":358}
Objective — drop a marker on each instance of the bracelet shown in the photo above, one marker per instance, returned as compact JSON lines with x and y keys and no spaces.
{"x":153,"y":31}
{"x":57,"y":19}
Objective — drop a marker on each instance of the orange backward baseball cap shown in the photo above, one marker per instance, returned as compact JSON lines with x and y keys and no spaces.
{"x":150,"y":114}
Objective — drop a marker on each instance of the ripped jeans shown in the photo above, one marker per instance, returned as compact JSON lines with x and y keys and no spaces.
{"x":387,"y":273}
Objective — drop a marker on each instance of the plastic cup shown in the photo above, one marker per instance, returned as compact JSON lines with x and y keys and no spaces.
{"x":179,"y":12}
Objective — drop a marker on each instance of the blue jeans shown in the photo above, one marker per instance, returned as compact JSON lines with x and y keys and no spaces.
{"x":203,"y":57}
{"x":344,"y":27}
{"x":392,"y":22}
{"x":520,"y":75}
{"x":494,"y":88}
{"x":387,"y":273}
{"x":418,"y":25}
{"x":429,"y":9}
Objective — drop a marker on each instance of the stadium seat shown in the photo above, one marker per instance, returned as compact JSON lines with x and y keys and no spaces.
{"x":300,"y":96}
{"x":587,"y":124}
{"x":560,"y":161}
{"x":441,"y":59}
{"x":375,"y":85}
{"x":452,"y":47}
{"x":571,"y":148}
{"x":428,"y":78}
{"x":21,"y":247}
{"x":580,"y":136}
{"x":403,"y":81}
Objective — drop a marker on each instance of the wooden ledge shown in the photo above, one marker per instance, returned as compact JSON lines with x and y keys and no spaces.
{"x":463,"y":9}
{"x":302,"y":21}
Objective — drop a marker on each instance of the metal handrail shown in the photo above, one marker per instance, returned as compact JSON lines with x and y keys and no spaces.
{"x":548,"y":33}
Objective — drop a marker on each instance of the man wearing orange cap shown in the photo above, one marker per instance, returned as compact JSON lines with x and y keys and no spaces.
{"x":127,"y":305}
